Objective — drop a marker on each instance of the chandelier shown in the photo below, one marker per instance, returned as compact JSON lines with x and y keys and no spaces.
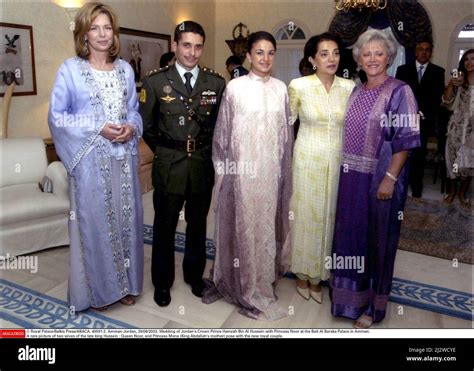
{"x":360,"y":4}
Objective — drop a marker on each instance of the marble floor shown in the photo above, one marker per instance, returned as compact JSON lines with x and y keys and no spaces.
{"x":187,"y":311}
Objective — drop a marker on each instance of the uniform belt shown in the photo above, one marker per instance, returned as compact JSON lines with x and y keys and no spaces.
{"x":190,"y":145}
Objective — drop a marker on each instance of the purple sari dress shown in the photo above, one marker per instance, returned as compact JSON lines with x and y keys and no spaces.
{"x":379,"y":122}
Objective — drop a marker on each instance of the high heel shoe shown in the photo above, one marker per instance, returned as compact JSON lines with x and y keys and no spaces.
{"x":316,"y":295}
{"x":303,"y":292}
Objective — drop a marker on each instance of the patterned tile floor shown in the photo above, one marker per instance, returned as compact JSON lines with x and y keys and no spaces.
{"x":427,"y":292}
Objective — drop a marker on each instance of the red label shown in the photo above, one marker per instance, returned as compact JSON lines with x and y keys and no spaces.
{"x":12,"y":333}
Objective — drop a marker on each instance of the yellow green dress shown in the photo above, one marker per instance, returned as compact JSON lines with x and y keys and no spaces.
{"x":316,"y":162}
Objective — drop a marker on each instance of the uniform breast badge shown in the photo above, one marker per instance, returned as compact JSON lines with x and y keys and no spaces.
{"x":167,"y":90}
{"x":208,"y":97}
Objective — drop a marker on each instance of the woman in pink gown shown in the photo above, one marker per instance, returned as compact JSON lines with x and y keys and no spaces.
{"x":252,"y":158}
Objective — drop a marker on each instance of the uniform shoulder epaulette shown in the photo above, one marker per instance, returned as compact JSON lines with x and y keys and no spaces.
{"x":158,"y":70}
{"x":212,"y":72}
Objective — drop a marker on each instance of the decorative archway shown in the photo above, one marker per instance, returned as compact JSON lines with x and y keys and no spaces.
{"x":458,"y":43}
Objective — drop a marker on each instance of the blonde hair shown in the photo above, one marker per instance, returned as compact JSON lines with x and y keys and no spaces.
{"x":83,"y":22}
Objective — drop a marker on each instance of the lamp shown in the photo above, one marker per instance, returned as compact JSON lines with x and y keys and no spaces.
{"x":238,"y":46}
{"x":71,"y":13}
{"x":360,"y":4}
{"x":71,"y":7}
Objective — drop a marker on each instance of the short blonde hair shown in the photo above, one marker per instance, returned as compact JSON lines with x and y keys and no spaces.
{"x":83,"y":22}
{"x":375,"y":35}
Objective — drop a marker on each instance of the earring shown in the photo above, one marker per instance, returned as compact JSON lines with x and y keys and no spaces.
{"x":86,"y":48}
{"x":315,"y":68}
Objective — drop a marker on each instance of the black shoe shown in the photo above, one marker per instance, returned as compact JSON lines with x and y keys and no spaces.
{"x":162,"y":297}
{"x":197,"y":289}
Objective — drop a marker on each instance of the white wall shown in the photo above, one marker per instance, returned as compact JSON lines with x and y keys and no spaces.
{"x":53,"y":43}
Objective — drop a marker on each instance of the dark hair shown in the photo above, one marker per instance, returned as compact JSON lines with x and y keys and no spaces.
{"x":188,"y":26}
{"x":260,"y":35}
{"x":462,"y":68}
{"x":304,"y":64}
{"x":311,"y":46}
{"x":233,"y":59}
{"x":425,"y":39}
{"x":166,"y":59}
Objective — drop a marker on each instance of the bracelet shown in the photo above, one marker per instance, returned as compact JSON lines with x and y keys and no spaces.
{"x":394,"y":178}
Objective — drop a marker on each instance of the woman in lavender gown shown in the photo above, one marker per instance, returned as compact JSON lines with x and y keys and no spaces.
{"x":252,"y":158}
{"x":94,"y":120}
{"x":381,"y":126}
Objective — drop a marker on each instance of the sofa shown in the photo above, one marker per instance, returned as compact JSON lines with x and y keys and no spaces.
{"x":31,"y":219}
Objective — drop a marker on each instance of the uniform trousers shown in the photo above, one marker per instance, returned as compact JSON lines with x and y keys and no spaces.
{"x":167,"y":213}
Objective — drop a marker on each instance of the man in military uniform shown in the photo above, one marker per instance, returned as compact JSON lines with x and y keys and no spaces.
{"x":179,"y":106}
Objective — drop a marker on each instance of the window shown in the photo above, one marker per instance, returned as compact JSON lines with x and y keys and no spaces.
{"x":462,"y":40}
{"x":291,"y":38}
{"x":290,"y":31}
{"x":467,"y":31}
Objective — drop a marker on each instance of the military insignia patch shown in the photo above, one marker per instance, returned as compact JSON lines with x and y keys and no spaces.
{"x":143,"y":95}
{"x":208,"y":97}
{"x":167,"y":90}
{"x":168,"y":99}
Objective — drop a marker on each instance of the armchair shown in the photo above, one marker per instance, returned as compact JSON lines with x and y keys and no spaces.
{"x":31,"y":220}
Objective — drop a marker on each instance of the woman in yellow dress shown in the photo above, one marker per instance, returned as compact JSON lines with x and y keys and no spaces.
{"x":319,"y":100}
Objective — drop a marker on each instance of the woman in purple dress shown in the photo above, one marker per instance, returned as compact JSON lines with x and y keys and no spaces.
{"x":94,"y":120}
{"x":381,"y":126}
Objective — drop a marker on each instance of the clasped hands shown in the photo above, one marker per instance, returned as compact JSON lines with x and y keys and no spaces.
{"x":118,"y":133}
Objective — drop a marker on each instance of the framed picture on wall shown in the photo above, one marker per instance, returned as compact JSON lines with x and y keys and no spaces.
{"x":17,"y":59}
{"x":143,"y":50}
